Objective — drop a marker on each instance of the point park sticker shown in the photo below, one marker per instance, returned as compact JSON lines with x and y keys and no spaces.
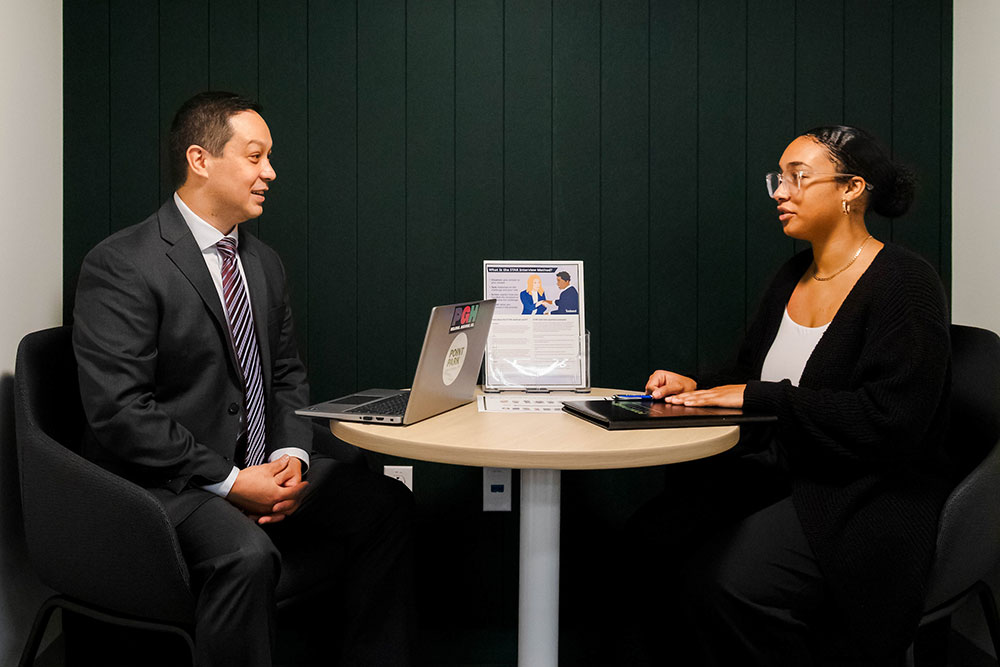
{"x":454,"y":359}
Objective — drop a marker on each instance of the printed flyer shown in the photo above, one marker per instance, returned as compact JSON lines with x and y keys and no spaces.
{"x":537,"y":340}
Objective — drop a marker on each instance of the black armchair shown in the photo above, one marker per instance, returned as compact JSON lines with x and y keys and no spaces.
{"x":102,"y":543}
{"x":968,"y":544}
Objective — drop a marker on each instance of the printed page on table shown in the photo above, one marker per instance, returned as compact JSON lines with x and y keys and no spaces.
{"x":533,"y":403}
{"x":538,"y":338}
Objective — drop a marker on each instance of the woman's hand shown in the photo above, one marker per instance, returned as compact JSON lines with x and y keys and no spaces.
{"x":726,"y":396}
{"x":665,"y":383}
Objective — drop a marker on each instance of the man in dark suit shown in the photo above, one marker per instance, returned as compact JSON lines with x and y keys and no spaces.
{"x":190,"y":375}
{"x":568,"y":302}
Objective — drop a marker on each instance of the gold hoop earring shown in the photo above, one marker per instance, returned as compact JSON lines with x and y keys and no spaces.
{"x":847,"y":206}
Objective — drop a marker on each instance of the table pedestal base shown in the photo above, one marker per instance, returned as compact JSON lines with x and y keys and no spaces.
{"x":538,"y":588}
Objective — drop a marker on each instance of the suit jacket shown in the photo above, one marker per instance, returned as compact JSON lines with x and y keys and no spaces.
{"x":568,"y":302}
{"x":159,"y":378}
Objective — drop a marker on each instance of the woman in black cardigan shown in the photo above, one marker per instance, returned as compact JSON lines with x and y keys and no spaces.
{"x":820,"y":532}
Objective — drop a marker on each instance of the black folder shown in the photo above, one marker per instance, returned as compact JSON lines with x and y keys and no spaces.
{"x":614,"y":415}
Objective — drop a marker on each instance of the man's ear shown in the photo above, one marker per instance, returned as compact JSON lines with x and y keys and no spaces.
{"x":197,"y":159}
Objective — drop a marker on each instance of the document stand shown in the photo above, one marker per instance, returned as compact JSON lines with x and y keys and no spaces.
{"x":508,"y":372}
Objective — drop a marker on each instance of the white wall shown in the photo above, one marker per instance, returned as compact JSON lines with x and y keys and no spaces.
{"x":30,"y":254}
{"x":975,"y":211}
{"x":31,"y":170}
{"x":976,"y":165}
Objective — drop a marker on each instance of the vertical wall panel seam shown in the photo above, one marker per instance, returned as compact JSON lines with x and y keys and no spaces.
{"x":208,"y":45}
{"x":892,"y":97}
{"x":406,"y":170}
{"x":746,"y":161}
{"x":843,"y":62}
{"x":357,"y":190}
{"x":208,"y":16}
{"x":600,"y":164}
{"x":258,"y":56}
{"x":107,"y":230}
{"x":795,"y":69}
{"x":454,"y":148}
{"x":552,"y":124}
{"x":944,"y":159}
{"x":795,"y":87}
{"x":697,"y":186}
{"x":943,"y":118}
{"x":940,"y":151}
{"x":309,"y":320}
{"x":503,"y":133}
{"x":947,"y":71}
{"x":649,"y":183}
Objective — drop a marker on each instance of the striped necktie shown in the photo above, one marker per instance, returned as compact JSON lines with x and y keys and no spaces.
{"x":245,"y":343}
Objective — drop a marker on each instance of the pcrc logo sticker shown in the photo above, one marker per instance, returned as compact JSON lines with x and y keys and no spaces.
{"x":454,"y":359}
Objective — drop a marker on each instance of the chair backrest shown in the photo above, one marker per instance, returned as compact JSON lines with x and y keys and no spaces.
{"x":47,"y":382}
{"x":975,"y":393}
{"x":968,"y":544}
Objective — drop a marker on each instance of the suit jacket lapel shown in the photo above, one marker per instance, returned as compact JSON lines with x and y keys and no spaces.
{"x":186,"y":255}
{"x":254,"y":271}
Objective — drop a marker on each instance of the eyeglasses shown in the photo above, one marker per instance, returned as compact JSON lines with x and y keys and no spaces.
{"x":793,"y":181}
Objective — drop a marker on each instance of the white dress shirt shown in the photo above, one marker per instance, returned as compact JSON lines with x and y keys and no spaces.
{"x":207,"y":236}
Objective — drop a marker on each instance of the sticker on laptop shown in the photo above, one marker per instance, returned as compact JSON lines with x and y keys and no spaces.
{"x":454,"y":359}
{"x":464,"y":317}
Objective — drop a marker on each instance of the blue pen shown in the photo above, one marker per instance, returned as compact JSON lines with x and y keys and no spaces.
{"x":633,"y":397}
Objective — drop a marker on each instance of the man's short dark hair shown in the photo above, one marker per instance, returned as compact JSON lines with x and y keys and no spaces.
{"x":563,"y":275}
{"x":203,"y":121}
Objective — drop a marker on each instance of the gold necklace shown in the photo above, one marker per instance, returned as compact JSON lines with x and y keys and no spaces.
{"x":815,"y":276}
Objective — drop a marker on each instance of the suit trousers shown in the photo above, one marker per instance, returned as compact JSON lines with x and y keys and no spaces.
{"x":235,"y":565}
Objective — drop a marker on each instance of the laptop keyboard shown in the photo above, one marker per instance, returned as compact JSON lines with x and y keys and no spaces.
{"x":391,"y":405}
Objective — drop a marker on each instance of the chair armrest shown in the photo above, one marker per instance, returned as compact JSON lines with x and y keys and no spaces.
{"x":968,"y":544}
{"x":96,"y":536}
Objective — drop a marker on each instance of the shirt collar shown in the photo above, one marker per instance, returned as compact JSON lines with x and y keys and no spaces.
{"x":205,"y":235}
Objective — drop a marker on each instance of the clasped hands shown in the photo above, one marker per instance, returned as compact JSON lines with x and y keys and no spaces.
{"x":680,"y":390}
{"x":269,"y":492}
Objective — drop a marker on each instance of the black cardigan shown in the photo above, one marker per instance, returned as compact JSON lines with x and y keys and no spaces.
{"x":863,"y":436}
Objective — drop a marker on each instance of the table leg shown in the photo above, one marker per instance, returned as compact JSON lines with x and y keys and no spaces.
{"x":538,"y":599}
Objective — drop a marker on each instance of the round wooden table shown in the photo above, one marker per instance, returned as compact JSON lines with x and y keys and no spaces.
{"x":540,"y":445}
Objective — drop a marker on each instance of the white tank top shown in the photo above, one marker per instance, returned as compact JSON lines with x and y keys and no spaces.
{"x":790,"y":350}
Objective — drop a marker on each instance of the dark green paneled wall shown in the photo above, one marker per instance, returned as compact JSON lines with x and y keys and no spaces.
{"x":415,"y":139}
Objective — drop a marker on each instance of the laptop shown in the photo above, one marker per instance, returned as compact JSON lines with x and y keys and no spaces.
{"x":446,"y":373}
{"x":614,"y":415}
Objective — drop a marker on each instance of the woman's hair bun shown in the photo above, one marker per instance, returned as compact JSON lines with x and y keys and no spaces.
{"x":895,"y":197}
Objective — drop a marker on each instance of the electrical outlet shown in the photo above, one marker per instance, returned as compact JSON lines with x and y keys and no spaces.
{"x":496,"y":489}
{"x":403,"y":473}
